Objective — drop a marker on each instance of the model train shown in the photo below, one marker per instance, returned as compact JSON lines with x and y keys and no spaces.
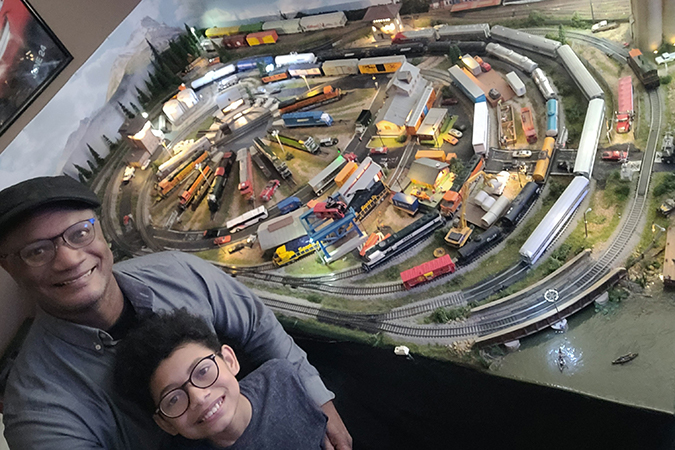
{"x":218,"y":185}
{"x":403,"y":240}
{"x":427,"y":271}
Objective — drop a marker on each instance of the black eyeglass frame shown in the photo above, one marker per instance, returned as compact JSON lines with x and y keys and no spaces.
{"x":212,"y":357}
{"x":53,"y":240}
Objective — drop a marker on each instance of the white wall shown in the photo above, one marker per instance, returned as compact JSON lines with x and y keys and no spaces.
{"x":82,"y":25}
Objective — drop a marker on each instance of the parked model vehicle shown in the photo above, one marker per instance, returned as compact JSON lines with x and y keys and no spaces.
{"x":379,"y":151}
{"x":448,"y":101}
{"x":667,"y":207}
{"x":328,"y":142}
{"x":222,"y":240}
{"x":450,"y":139}
{"x":614,"y":155}
{"x":455,"y":133}
{"x":269,"y":190}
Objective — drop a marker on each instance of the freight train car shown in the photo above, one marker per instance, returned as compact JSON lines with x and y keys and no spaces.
{"x":540,"y":169}
{"x":527,"y":41}
{"x":218,"y":185}
{"x":579,"y":73}
{"x":276,"y":75}
{"x":385,"y":64}
{"x":427,"y":271}
{"x":279,"y":165}
{"x":554,"y":221}
{"x":403,"y":240}
{"x":305,"y":70}
{"x":479,"y":243}
{"x":590,"y":136}
{"x":264,"y":62}
{"x":473,"y":32}
{"x":528,"y":125}
{"x":644,"y":69}
{"x":552,"y":118}
{"x":543,"y":83}
{"x":521,"y":204}
{"x":245,"y":172}
{"x":307,"y":119}
{"x":443,"y":47}
{"x":625,"y":112}
{"x":292,"y":251}
{"x":177,"y":160}
{"x":424,"y":35}
{"x":340,"y":67}
{"x":515,"y":59}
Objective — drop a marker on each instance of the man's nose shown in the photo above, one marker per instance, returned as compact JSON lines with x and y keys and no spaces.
{"x":65,"y":256}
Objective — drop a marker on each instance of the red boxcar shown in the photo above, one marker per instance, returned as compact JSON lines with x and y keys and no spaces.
{"x":624,"y":113}
{"x":427,"y":271}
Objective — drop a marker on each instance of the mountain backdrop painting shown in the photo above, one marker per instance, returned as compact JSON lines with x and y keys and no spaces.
{"x":86,"y":108}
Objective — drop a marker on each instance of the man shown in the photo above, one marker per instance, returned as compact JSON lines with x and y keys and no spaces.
{"x":59,"y":394}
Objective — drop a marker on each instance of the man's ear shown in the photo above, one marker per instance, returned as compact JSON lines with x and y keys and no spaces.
{"x":165,"y":424}
{"x":230,"y":359}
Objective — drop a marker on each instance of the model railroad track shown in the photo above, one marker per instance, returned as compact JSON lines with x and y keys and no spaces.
{"x":629,"y":227}
{"x":610,"y":48}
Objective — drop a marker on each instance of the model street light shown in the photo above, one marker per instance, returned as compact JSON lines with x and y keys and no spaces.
{"x":275,"y":133}
{"x":304,"y":78}
{"x":586,"y":221}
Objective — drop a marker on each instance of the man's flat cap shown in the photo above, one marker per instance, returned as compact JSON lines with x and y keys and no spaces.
{"x":22,"y":198}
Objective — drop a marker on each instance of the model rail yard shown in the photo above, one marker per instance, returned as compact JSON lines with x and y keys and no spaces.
{"x":331,"y":214}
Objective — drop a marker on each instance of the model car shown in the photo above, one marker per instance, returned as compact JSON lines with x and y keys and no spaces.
{"x":379,"y":150}
{"x":461,"y":127}
{"x":129,"y":173}
{"x":328,"y":142}
{"x":614,"y":155}
{"x":222,"y":240}
{"x":146,"y":163}
{"x":455,"y":133}
{"x":449,"y":101}
{"x":494,"y":94}
{"x":667,"y":207}
{"x":522,"y":154}
{"x":450,"y":139}
{"x":350,"y":156}
{"x":485,"y":67}
{"x":269,"y":190}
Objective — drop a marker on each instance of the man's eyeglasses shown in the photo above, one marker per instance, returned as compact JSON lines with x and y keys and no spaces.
{"x":42,"y":252}
{"x":175,"y":402}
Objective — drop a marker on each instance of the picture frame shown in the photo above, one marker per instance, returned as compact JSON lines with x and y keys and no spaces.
{"x":31,"y":57}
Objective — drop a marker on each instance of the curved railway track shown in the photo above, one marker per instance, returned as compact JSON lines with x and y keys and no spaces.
{"x":490,"y":320}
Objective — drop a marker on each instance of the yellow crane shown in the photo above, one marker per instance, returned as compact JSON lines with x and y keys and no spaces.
{"x":459,"y":233}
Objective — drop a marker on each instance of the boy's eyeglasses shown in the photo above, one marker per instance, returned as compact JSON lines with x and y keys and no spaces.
{"x":175,"y":402}
{"x":42,"y":252}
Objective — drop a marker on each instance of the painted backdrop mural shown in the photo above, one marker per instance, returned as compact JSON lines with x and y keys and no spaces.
{"x":86,"y":108}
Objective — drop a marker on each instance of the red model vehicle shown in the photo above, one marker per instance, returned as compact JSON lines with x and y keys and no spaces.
{"x":485,"y":67}
{"x":614,"y":155}
{"x":330,"y":209}
{"x":269,"y":190}
{"x":222,"y":240}
{"x":379,"y":151}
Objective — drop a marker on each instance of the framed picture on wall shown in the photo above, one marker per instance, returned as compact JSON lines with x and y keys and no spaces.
{"x":31,"y":56}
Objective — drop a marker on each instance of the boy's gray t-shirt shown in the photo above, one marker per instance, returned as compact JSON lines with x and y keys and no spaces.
{"x":284,"y":417}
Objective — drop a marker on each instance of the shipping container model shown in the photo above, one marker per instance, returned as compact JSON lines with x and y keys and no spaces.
{"x":340,"y":67}
{"x":405,"y":202}
{"x":438,"y":155}
{"x":345,"y":173}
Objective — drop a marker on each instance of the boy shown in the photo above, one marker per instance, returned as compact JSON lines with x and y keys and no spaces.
{"x":174,"y":366}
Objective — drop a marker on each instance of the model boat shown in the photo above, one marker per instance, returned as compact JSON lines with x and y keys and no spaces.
{"x":625,"y":358}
